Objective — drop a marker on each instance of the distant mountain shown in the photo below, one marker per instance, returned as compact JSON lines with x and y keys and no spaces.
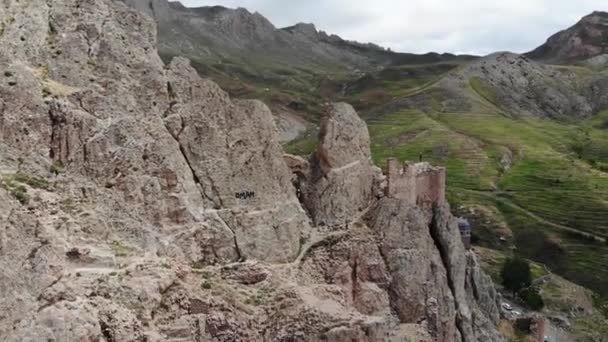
{"x":295,"y":70}
{"x":220,"y":35}
{"x":587,"y":41}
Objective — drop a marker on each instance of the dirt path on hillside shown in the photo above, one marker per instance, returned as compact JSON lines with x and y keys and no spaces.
{"x":535,"y":217}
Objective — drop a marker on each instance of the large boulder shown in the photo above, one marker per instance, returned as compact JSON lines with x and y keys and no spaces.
{"x":340,"y":185}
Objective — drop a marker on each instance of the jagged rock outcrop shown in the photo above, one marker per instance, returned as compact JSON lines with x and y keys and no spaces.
{"x":340,"y":184}
{"x":434,"y":280}
{"x":235,"y":156}
{"x":126,"y":123}
{"x":132,"y":191}
{"x":587,"y":40}
{"x":519,"y":86}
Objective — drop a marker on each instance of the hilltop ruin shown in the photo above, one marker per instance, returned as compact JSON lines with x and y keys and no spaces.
{"x":418,"y":184}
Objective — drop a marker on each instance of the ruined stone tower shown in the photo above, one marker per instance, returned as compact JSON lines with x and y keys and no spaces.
{"x":419,"y":184}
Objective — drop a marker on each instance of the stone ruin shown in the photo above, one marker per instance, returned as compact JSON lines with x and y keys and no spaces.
{"x":419,"y":184}
{"x":423,"y":185}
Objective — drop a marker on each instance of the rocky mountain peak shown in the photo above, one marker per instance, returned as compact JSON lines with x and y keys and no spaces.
{"x":596,"y":17}
{"x":177,"y":4}
{"x":307,"y":29}
{"x":586,"y":39}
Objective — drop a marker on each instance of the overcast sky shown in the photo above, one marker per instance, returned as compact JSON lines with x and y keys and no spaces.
{"x":458,"y":26}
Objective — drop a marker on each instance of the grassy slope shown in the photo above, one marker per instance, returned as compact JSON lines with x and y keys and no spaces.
{"x":557,"y":175}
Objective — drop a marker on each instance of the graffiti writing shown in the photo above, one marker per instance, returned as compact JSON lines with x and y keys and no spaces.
{"x":245,"y":195}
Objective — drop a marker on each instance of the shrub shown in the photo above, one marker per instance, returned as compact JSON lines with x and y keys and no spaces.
{"x":57,"y":167}
{"x":120,"y":250}
{"x":516,"y":274}
{"x":20,"y":193}
{"x":206,"y":285}
{"x":197,"y":265}
{"x":17,"y":190}
{"x":532,"y":299}
{"x":34,"y":182}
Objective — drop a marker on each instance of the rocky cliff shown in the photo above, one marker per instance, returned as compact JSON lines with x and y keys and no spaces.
{"x":140,"y":203}
{"x":586,"y":41}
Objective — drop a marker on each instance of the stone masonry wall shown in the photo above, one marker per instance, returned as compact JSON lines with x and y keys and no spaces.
{"x":418,"y":184}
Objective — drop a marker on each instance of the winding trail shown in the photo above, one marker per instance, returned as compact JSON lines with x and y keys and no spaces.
{"x":535,"y":217}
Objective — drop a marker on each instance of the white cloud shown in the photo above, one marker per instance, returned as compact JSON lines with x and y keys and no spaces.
{"x":459,"y":26}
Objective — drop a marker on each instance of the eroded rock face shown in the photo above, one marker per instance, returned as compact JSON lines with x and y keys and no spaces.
{"x":419,"y":288}
{"x":340,"y":185}
{"x":521,"y":86}
{"x":581,"y":42}
{"x":132,"y":191}
{"x":235,"y":156}
{"x":433,"y":279}
{"x":174,"y":147}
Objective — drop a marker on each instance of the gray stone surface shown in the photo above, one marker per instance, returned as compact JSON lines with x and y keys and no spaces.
{"x":132,"y":191}
{"x":340,"y":184}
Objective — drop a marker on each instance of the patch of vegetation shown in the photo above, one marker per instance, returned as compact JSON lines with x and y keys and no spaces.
{"x":16,"y":183}
{"x":532,"y":299}
{"x":590,"y":328}
{"x":197,"y":265}
{"x":19,"y":191}
{"x":69,"y":205}
{"x":263,"y":296}
{"x":57,"y":167}
{"x":302,"y":146}
{"x":601,"y":303}
{"x":482,"y":89}
{"x":516,"y":274}
{"x":4,"y":24}
{"x":121,"y":250}
{"x":33,"y":181}
{"x":206,"y":285}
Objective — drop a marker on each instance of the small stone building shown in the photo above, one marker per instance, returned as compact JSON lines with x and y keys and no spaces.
{"x":419,"y":184}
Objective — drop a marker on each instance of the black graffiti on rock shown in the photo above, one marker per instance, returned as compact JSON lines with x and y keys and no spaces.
{"x":244,"y":195}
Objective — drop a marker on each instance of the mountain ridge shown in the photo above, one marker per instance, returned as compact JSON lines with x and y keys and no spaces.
{"x":581,"y":42}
